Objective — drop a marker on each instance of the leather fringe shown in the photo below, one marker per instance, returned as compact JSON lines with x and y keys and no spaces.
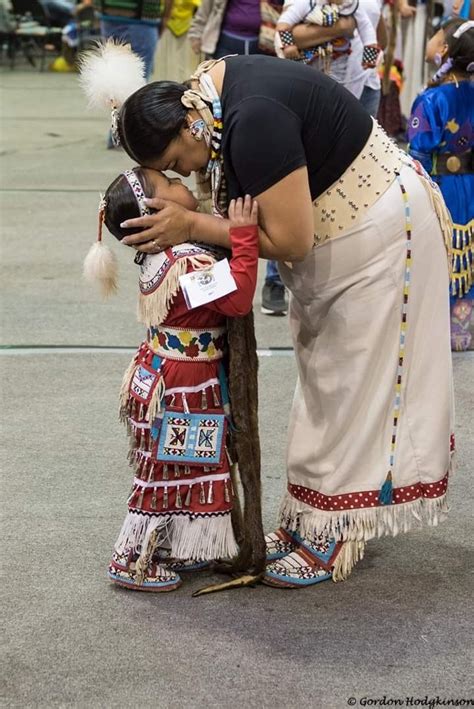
{"x":189,"y":538}
{"x":362,"y":524}
{"x":350,"y":554}
{"x":154,"y":307}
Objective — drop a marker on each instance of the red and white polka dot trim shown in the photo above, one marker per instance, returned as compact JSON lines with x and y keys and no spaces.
{"x":369,"y":498}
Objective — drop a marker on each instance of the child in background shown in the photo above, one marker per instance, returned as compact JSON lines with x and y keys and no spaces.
{"x":441,"y":136}
{"x":334,"y":55}
{"x":173,"y":397}
{"x":175,"y":59}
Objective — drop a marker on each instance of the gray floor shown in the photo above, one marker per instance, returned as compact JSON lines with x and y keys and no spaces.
{"x":400,"y":627}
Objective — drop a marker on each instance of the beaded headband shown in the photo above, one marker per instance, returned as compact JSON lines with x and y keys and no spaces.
{"x":137,"y":190}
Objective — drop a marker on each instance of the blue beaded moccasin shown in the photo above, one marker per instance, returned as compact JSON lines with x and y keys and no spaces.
{"x":279,"y":544}
{"x":313,"y":561}
{"x":308,"y":564}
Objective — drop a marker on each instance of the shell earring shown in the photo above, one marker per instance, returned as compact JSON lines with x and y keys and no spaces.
{"x":437,"y":59}
{"x":199,"y":130}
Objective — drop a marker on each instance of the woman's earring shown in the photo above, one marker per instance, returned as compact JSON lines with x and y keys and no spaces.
{"x":199,"y":130}
{"x":437,"y":59}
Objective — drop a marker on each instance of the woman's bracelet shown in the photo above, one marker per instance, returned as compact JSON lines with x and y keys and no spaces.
{"x":287,"y":38}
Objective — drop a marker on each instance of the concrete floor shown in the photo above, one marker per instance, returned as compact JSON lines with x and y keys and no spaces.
{"x":400,"y":627}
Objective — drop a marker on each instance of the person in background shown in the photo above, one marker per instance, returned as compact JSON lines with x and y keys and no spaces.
{"x":84,"y":17}
{"x":222,"y":27}
{"x":136,"y":23}
{"x":464,"y":9}
{"x":365,"y":83}
{"x":175,"y":58}
{"x":396,"y":13}
{"x":441,"y":137}
{"x":59,"y":12}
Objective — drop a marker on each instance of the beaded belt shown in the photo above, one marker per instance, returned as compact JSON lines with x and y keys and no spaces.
{"x":189,"y":345}
{"x":346,"y":201}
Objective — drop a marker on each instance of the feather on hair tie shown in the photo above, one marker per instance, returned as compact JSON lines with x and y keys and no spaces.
{"x":100,"y":264}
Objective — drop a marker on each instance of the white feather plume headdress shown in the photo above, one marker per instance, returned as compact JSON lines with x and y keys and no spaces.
{"x":109,"y":73}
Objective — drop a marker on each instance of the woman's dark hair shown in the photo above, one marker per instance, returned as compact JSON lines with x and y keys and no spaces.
{"x":460,"y":51}
{"x":121,"y":203}
{"x":151,"y":118}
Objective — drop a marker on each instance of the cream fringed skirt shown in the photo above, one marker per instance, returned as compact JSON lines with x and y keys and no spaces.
{"x":369,"y":316}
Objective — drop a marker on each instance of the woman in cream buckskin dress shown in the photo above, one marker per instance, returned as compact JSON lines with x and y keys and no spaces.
{"x":360,"y":242}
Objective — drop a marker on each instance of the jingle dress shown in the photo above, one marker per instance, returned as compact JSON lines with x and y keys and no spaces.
{"x":441,"y":127}
{"x":174,"y":402}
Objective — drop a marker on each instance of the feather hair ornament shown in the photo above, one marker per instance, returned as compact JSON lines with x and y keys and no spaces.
{"x":109,"y":73}
{"x":100,"y":264}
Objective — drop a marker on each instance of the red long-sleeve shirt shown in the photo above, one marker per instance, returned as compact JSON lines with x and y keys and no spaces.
{"x":243,"y":267}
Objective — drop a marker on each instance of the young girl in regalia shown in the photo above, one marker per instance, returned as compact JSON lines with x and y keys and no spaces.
{"x":174,"y":398}
{"x":441,"y":135}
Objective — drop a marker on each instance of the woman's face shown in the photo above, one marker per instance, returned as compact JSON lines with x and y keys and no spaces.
{"x":171,"y":189}
{"x":436,"y":45}
{"x":183,"y":155}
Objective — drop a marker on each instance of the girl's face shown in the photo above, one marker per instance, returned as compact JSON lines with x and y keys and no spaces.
{"x":171,"y":189}
{"x":184,"y":154}
{"x":436,"y":45}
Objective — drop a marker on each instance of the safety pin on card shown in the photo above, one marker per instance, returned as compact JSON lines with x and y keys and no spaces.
{"x":207,"y":285}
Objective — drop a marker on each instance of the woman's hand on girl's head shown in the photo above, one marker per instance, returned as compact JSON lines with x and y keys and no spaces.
{"x":168,"y":226}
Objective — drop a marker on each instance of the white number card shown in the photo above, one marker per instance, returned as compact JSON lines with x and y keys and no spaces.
{"x":201,"y":287}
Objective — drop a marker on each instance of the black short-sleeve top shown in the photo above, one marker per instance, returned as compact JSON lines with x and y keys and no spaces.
{"x":279,"y":115}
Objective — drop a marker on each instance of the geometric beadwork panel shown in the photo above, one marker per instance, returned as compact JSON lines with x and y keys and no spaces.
{"x":194,"y":438}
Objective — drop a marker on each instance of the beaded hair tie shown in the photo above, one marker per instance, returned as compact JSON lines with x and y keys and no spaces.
{"x":370,"y":55}
{"x":287,"y":38}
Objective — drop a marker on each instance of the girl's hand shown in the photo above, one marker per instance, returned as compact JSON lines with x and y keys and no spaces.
{"x":169,"y":226}
{"x":243,"y":212}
